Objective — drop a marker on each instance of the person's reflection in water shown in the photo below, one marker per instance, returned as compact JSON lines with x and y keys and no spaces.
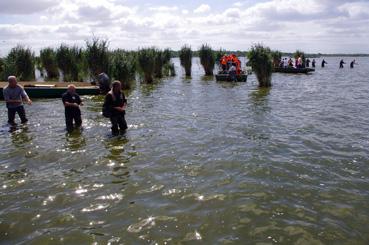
{"x":118,"y":159}
{"x":75,"y":140}
{"x":20,"y":136}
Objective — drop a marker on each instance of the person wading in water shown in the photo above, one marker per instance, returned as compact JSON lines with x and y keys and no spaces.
{"x":72,"y":102}
{"x":115,"y":108}
{"x":324,"y":63}
{"x":14,"y":95}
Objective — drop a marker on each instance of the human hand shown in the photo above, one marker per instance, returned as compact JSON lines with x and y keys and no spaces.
{"x":29,"y":102}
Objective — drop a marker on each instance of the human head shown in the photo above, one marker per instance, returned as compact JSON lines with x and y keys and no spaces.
{"x":71,"y":88}
{"x":12,"y":80}
{"x":116,"y":86}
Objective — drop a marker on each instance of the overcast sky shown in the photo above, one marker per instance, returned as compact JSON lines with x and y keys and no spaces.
{"x":327,"y":26}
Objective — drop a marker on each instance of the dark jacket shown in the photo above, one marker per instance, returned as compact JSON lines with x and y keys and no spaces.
{"x":71,"y":98}
{"x":116,"y":100}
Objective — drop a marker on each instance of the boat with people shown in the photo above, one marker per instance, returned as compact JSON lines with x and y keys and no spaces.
{"x":293,"y":70}
{"x":225,"y":77}
{"x":230,"y":70}
{"x":39,"y":90}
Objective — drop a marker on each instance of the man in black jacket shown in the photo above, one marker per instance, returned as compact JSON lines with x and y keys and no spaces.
{"x":116,"y":103}
{"x":72,"y":102}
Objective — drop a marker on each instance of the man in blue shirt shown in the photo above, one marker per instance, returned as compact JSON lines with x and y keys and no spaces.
{"x":72,"y":101}
{"x":14,"y":95}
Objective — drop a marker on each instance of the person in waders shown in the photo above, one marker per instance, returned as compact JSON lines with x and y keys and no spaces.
{"x":115,"y":103}
{"x":72,"y":102}
{"x":14,"y":95}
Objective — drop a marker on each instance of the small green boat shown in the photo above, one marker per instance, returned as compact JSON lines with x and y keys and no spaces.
{"x":293,"y":70}
{"x":45,"y":91}
{"x":225,"y":77}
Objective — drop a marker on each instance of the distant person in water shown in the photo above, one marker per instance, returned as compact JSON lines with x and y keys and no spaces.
{"x":313,"y":63}
{"x":14,"y":95}
{"x":353,"y":63}
{"x":115,"y":103}
{"x":299,"y":62}
{"x":324,"y":63}
{"x":342,"y":63}
{"x":290,"y":63}
{"x":72,"y":102}
{"x":307,"y":62}
{"x":104,"y":82}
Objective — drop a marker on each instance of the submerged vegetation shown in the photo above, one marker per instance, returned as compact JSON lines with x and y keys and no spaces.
{"x":185,"y":57}
{"x":260,"y":59}
{"x":207,"y":59}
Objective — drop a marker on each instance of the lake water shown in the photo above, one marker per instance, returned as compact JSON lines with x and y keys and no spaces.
{"x":203,"y":162}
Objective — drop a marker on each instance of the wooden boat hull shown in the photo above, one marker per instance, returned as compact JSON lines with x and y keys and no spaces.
{"x":293,"y":70}
{"x":227,"y":78}
{"x":55,"y":92}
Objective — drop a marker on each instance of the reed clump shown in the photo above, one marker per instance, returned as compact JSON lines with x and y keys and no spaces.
{"x":146,"y":62}
{"x":260,"y":60}
{"x":207,"y":59}
{"x":19,"y":62}
{"x":97,"y":56}
{"x":70,"y":61}
{"x":48,"y":62}
{"x":276,"y":57}
{"x":185,"y":57}
{"x":123,"y":67}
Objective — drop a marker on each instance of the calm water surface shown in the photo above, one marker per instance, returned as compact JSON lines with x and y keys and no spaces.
{"x":203,"y":162}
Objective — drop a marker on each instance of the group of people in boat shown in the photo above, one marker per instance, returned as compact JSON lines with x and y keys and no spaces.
{"x":231,"y":65}
{"x":114,"y":107}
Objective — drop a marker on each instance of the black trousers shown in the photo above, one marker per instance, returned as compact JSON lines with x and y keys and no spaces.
{"x":21,"y":113}
{"x":118,"y":122}
{"x":71,"y":116}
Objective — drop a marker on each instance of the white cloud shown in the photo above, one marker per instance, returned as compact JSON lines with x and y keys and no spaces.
{"x":312,"y":25}
{"x":203,"y":8}
{"x":164,"y":9}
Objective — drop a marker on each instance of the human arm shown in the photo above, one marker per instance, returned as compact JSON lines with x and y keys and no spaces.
{"x":67,"y":103}
{"x":25,"y":96}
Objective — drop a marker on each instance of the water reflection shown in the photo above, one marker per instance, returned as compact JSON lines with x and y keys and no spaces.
{"x":118,"y":159}
{"x":148,"y":88}
{"x":20,"y":136}
{"x":75,"y":140}
{"x":260,"y":96}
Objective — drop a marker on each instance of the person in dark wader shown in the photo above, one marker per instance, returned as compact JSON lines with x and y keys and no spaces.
{"x":352,"y":64}
{"x":104,"y":82}
{"x":14,"y":96}
{"x":116,"y":103}
{"x":313,"y":63}
{"x":72,"y":102}
{"x":324,"y":63}
{"x":341,"y":64}
{"x":308,"y":62}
